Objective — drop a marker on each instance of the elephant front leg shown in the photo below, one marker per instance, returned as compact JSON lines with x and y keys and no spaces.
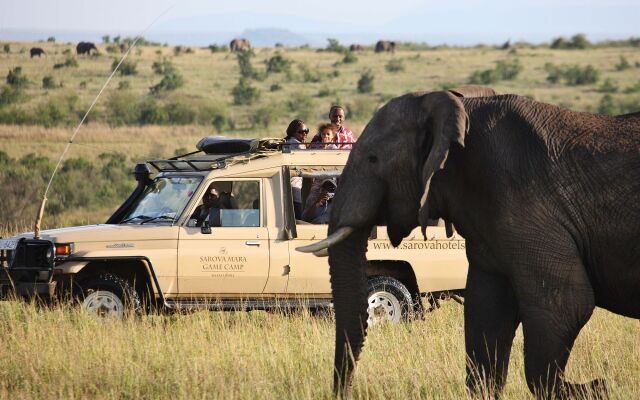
{"x":556,"y":300}
{"x":490,"y":322}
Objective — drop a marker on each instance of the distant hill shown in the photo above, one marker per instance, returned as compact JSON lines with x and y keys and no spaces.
{"x":268,"y":37}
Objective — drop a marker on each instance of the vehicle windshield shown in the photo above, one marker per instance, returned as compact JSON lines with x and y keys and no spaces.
{"x":163,"y":200}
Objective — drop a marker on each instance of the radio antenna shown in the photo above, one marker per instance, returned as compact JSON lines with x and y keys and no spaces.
{"x":36,"y":229}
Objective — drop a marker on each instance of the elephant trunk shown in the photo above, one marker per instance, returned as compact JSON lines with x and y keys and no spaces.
{"x":347,"y":262}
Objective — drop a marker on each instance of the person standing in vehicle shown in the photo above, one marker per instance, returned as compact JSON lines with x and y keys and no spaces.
{"x":343,"y":137}
{"x":296,"y":137}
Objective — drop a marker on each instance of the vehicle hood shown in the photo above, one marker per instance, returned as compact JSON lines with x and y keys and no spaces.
{"x":107,"y":233}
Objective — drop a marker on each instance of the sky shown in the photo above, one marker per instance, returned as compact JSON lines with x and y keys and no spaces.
{"x":418,"y":20}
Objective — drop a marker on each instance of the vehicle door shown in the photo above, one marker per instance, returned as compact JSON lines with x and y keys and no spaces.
{"x":224,"y":247}
{"x":310,"y":274}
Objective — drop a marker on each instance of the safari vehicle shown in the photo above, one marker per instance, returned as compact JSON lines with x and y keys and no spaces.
{"x":156,"y":250}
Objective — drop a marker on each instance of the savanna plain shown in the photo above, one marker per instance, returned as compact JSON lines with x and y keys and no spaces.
{"x":58,"y":352}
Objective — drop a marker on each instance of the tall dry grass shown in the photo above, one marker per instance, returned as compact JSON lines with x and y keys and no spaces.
{"x":63,"y":353}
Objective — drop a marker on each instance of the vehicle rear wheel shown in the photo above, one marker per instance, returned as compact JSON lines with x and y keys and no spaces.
{"x":388,"y":300}
{"x":109,"y":296}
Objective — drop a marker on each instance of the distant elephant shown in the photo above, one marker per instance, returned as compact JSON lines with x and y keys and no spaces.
{"x":36,"y":51}
{"x":385,"y":45}
{"x":547,"y":199}
{"x":356,"y":47}
{"x":85,"y":48}
{"x":240,"y":45}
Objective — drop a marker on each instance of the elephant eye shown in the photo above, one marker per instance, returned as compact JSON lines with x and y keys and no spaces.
{"x":373,"y":159}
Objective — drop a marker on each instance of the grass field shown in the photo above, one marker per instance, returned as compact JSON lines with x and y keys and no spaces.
{"x":62,"y":353}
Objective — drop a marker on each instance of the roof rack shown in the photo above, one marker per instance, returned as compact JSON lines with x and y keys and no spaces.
{"x":218,"y":151}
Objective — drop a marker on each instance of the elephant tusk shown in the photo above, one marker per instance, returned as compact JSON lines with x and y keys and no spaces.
{"x":321,"y":253}
{"x":336,"y":237}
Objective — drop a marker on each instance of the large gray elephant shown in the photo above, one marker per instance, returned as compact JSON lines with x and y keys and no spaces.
{"x":385,"y":45}
{"x":85,"y":48}
{"x":547,"y":199}
{"x":240,"y":45}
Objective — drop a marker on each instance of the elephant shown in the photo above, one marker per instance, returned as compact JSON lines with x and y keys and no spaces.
{"x":36,"y":51}
{"x":85,"y":48}
{"x":240,"y":45}
{"x":356,"y":47}
{"x":385,"y":45}
{"x":547,"y":199}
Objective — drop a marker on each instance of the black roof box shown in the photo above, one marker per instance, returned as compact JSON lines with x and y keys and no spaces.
{"x":220,"y":145}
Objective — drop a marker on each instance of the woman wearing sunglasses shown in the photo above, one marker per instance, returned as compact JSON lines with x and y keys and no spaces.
{"x":296,"y":137}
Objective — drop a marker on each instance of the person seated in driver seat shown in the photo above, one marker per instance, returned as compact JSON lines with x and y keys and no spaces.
{"x":319,"y":202}
{"x":213,"y":201}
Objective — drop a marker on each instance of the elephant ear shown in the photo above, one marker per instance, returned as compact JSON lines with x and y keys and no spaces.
{"x":445,"y":123}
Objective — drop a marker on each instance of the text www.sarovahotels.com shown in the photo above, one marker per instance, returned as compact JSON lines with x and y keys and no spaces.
{"x":428,"y":245}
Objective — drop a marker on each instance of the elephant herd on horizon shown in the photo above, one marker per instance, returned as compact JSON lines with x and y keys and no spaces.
{"x":547,"y":199}
{"x":81,"y":48}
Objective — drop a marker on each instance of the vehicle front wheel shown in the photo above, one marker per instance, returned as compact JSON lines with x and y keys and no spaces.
{"x":108,"y":295}
{"x":388,"y":300}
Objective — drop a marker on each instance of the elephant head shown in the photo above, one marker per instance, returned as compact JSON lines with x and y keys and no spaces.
{"x":375,"y":187}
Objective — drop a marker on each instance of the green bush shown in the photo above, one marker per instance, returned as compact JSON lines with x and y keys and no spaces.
{"x":365,"y":83}
{"x":394,"y":65}
{"x":278,"y":63}
{"x":48,"y":82}
{"x":264,"y":116}
{"x":608,"y":86}
{"x":151,"y":112}
{"x":309,"y":75}
{"x":171,"y":80}
{"x":301,"y":106}
{"x":623,"y":64}
{"x":179,"y":113}
{"x":162,"y":66}
{"x":106,"y":39}
{"x":244,"y":62}
{"x":326,"y":92}
{"x":11,"y":95}
{"x":121,"y":108}
{"x":51,"y":39}
{"x":608,"y":105}
{"x":350,"y":58}
{"x":335,"y":46}
{"x":275,"y":87}
{"x":16,"y":79}
{"x":6,"y":48}
{"x":51,"y":113}
{"x":576,"y":75}
{"x":243,"y":93}
{"x":217,"y":48}
{"x":633,"y":89}
{"x":504,"y":70}
{"x":213,"y":113}
{"x":578,"y":41}
{"x":126,"y":68}
{"x":69,"y":62}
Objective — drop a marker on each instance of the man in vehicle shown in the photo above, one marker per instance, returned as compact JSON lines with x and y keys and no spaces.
{"x":318,"y":207}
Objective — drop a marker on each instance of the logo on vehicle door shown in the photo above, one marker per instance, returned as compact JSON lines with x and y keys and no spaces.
{"x":223,"y":251}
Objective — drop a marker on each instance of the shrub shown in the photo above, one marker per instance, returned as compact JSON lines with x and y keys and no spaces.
{"x":123,"y":85}
{"x":16,"y":79}
{"x":264,"y":116}
{"x":51,"y":113}
{"x":608,"y":86}
{"x":578,"y":41}
{"x":554,"y":73}
{"x":335,"y":46}
{"x":217,"y":48}
{"x":6,"y":48}
{"x":394,"y":65}
{"x":243,"y":93}
{"x":49,"y":83}
{"x":244,"y":62}
{"x":302,"y":106}
{"x":126,"y":68}
{"x":278,"y":63}
{"x":51,"y":39}
{"x":150,"y":112}
{"x":361,"y":108}
{"x":11,"y":95}
{"x":106,"y":39}
{"x":212,"y":113}
{"x":69,"y":62}
{"x":504,"y":70}
{"x":162,"y":66}
{"x":365,"y":83}
{"x":575,"y":75}
{"x":275,"y":87}
{"x":121,"y":108}
{"x":609,"y":106}
{"x":177,"y":50}
{"x":349,"y":58}
{"x":633,"y":89}
{"x":309,"y":75}
{"x":326,"y":92}
{"x":179,"y":113}
{"x":623,"y":64}
{"x":66,"y":52}
{"x":171,"y":80}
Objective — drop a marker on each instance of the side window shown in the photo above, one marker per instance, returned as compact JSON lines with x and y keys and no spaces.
{"x":229,"y":204}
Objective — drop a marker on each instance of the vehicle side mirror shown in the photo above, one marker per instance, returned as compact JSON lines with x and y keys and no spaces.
{"x":205,"y":228}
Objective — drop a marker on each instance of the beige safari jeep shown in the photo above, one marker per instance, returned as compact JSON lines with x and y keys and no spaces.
{"x":217,"y":229}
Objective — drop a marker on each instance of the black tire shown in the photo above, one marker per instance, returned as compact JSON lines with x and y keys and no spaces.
{"x":108,"y":295}
{"x":388,"y":300}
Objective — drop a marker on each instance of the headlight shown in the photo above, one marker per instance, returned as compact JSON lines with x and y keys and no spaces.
{"x":50,"y":254}
{"x":63,"y":250}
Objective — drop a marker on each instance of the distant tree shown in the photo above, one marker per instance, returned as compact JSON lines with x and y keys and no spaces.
{"x":51,"y":39}
{"x":106,"y":39}
{"x":7,"y":48}
{"x":335,"y":46}
{"x":365,"y":83}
